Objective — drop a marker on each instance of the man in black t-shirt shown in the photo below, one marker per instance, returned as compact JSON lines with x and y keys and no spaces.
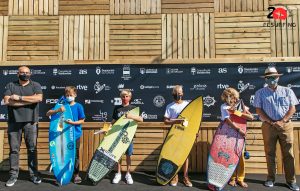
{"x":22,"y":98}
{"x":117,"y":113}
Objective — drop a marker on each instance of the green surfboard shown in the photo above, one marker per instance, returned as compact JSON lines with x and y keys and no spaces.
{"x":113,"y":146}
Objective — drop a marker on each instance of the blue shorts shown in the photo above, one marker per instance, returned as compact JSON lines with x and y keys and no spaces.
{"x":129,"y":151}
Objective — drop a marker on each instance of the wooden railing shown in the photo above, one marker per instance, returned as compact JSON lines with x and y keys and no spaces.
{"x":147,"y":144}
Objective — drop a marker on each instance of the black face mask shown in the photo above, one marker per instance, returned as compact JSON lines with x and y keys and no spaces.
{"x":24,"y":77}
{"x":177,"y":97}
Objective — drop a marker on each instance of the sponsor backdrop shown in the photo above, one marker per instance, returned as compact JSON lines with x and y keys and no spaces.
{"x":99,"y":85}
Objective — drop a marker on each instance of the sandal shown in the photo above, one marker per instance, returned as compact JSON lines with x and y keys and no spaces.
{"x":232,"y":183}
{"x":242,"y":184}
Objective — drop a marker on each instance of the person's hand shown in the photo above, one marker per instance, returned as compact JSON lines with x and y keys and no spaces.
{"x":14,"y":97}
{"x":129,"y":116}
{"x":61,"y":109}
{"x":177,"y":121}
{"x":241,"y":132}
{"x":69,"y":121}
{"x":279,"y":125}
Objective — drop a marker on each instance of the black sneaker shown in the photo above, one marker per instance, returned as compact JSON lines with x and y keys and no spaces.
{"x":11,"y":182}
{"x":36,"y":179}
{"x":269,"y":183}
{"x":293,"y":186}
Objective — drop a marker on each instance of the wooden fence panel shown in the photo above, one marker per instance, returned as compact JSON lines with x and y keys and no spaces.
{"x":135,"y":7}
{"x":3,"y":37}
{"x":242,"y":35}
{"x":84,"y":7}
{"x":188,"y":36}
{"x":241,"y":5}
{"x":187,"y":6}
{"x":4,"y":7}
{"x":84,"y":37}
{"x":33,"y":7}
{"x":32,"y":38}
{"x":135,"y":37}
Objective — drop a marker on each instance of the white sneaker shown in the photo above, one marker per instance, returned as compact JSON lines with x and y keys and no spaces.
{"x":117,"y":178}
{"x":128,"y":178}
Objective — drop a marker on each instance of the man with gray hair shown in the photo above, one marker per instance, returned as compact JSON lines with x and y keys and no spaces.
{"x":275,"y":106}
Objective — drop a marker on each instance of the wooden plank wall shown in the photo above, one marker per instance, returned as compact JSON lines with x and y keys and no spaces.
{"x":3,"y":7}
{"x":83,"y":7}
{"x":241,"y":5}
{"x":147,"y":145}
{"x":242,"y":35}
{"x":285,"y":38}
{"x":84,"y":37}
{"x":187,"y":6}
{"x":188,"y":36}
{"x":135,"y":7}
{"x":32,"y":38}
{"x":33,"y":7}
{"x":135,"y":36}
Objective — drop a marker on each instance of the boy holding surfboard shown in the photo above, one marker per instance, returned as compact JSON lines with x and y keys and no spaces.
{"x":78,"y":120}
{"x":119,"y":111}
{"x":230,"y":97}
{"x":170,"y":118}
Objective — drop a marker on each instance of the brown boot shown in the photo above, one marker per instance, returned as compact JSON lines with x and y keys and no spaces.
{"x":174,"y":181}
{"x":187,"y":181}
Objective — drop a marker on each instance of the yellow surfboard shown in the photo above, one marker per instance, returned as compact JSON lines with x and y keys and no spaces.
{"x":179,"y":142}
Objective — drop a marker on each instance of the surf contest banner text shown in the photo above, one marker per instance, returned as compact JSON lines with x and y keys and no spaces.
{"x":99,"y":86}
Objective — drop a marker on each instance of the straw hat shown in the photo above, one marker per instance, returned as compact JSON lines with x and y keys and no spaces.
{"x":271,"y":71}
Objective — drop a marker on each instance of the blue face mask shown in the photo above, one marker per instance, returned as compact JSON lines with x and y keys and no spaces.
{"x":70,"y":99}
{"x":272,"y":81}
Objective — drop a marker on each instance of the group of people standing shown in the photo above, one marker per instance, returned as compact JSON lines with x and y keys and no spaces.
{"x":274,"y":104}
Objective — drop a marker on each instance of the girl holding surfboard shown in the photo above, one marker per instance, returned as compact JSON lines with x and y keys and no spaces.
{"x":230,"y":97}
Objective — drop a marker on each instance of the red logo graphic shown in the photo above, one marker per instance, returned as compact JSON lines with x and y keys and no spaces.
{"x":279,"y":13}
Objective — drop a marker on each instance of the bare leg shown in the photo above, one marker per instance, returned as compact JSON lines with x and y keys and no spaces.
{"x":128,"y":163}
{"x":186,"y":168}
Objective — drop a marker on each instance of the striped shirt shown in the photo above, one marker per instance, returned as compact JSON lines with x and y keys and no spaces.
{"x":275,"y":103}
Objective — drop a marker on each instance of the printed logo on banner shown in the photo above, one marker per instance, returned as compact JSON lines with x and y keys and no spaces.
{"x":206,"y":115}
{"x":83,"y":71}
{"x":142,"y":87}
{"x":98,"y":87}
{"x":53,"y":87}
{"x":195,"y":71}
{"x":137,"y":101}
{"x":51,"y":101}
{"x":296,"y":116}
{"x":44,"y":87}
{"x":102,"y":71}
{"x":170,"y":86}
{"x":246,"y":70}
{"x":242,"y":86}
{"x":148,"y":116}
{"x":3,"y":116}
{"x":222,"y":70}
{"x":117,"y":101}
{"x":209,"y":101}
{"x":292,"y":69}
{"x":90,"y":101}
{"x":173,"y":71}
{"x":159,"y":101}
{"x":82,"y":87}
{"x":148,"y":71}
{"x":198,"y":87}
{"x":293,"y":85}
{"x":37,"y":72}
{"x":126,"y":72}
{"x":222,"y":86}
{"x":10,"y":72}
{"x":121,"y":87}
{"x":252,"y":97}
{"x":102,"y":116}
{"x":60,"y":72}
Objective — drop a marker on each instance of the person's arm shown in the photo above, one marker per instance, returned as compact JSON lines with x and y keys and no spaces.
{"x":54,"y":111}
{"x":134,"y":117}
{"x":168,"y":121}
{"x":263,"y":116}
{"x":14,"y":103}
{"x":79,"y":122}
{"x":232,"y":125}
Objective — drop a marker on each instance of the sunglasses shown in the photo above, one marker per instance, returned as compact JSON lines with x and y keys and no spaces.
{"x":270,"y":77}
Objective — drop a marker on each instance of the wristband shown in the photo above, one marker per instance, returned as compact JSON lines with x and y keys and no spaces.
{"x":20,"y":98}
